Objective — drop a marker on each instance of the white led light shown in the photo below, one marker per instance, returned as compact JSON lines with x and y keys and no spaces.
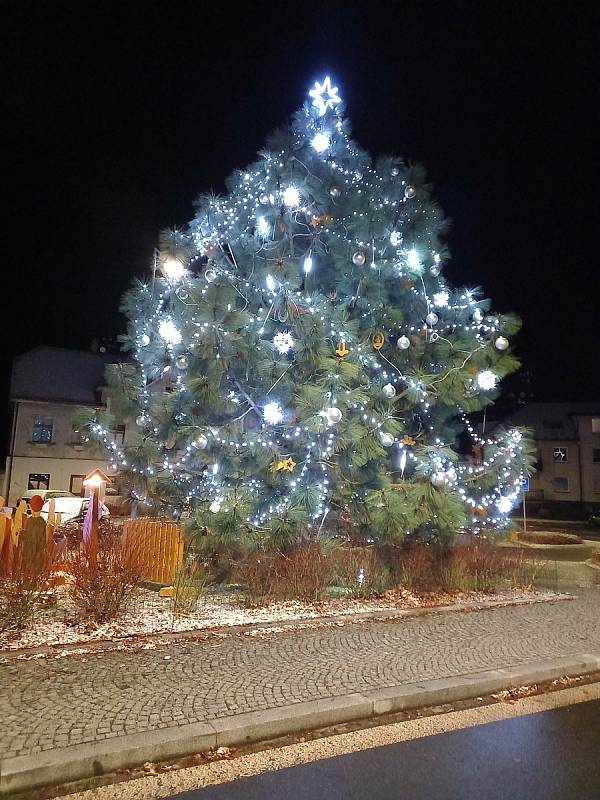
{"x":169,"y":332}
{"x":395,"y":238}
{"x":263,"y":228}
{"x":283,"y":342}
{"x":412,"y":259}
{"x":308,"y":264}
{"x":504,"y":505}
{"x":441,"y":299}
{"x":487,"y":379}
{"x":291,"y":197}
{"x":320,"y":142}
{"x":173,"y":269}
{"x":271,"y":283}
{"x":273,"y":413}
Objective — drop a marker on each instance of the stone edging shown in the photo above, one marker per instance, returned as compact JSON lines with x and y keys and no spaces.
{"x":195,"y":634}
{"x":63,"y":765}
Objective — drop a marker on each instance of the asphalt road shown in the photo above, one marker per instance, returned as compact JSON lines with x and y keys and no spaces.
{"x":551,"y":755}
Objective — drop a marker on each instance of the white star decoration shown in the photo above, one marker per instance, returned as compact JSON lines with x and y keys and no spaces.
{"x":324,"y":95}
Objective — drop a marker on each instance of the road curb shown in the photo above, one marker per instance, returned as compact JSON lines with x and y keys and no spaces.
{"x":60,"y":766}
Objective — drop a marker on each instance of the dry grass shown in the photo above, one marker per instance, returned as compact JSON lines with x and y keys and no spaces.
{"x":549,"y":537}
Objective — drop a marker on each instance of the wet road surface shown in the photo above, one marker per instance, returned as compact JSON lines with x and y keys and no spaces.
{"x":551,"y":755}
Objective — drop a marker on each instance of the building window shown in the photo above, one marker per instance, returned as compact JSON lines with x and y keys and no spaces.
{"x":595,"y":424}
{"x":38,"y":480}
{"x":42,"y":430}
{"x":76,"y":484}
{"x":118,"y":433}
{"x":560,"y":455}
{"x":596,"y":455}
{"x":76,"y":436}
{"x":560,"y":484}
{"x":597,"y":483}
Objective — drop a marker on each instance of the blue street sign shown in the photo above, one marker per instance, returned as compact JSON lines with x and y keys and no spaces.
{"x":524,"y":484}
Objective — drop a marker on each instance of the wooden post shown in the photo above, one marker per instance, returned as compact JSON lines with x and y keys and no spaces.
{"x":93,"y":544}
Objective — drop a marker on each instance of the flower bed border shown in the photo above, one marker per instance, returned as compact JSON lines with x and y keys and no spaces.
{"x":282,"y":626}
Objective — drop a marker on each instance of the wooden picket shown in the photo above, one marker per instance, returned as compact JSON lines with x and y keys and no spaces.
{"x":159,"y":546}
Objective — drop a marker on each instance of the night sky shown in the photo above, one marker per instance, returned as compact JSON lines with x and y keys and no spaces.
{"x":116,"y":116}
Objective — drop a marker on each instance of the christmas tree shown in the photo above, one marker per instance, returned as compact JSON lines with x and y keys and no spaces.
{"x":301,"y":365}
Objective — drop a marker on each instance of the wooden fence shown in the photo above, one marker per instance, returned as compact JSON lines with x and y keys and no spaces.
{"x":158,"y":544}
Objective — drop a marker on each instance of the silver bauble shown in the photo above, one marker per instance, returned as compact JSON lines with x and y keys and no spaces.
{"x":358,"y":258}
{"x":394,"y":172}
{"x":403,"y":343}
{"x":335,"y":192}
{"x":141,"y":420}
{"x":264,"y":199}
{"x":435,"y":270}
{"x":210,"y":275}
{"x":387,"y":440}
{"x":389,"y":391}
{"x":144,"y":340}
{"x":201,"y":443}
{"x":501,"y":343}
{"x":438,"y":479}
{"x":451,"y":474}
{"x":409,"y":192}
{"x":182,"y":362}
{"x":334,"y":414}
{"x":431,"y":319}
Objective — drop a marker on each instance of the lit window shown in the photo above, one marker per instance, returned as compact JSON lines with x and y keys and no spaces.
{"x":560,"y":484}
{"x":42,"y":430}
{"x":560,"y":455}
{"x":595,"y":424}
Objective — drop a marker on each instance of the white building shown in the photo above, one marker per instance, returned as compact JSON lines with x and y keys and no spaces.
{"x":567,"y":436}
{"x":45,"y":449}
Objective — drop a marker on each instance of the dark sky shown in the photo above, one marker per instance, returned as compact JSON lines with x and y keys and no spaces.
{"x":117,"y":115}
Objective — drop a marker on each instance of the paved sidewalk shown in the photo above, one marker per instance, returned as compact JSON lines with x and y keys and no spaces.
{"x":56,"y":703}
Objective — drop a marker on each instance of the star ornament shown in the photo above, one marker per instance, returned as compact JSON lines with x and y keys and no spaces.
{"x":324,"y":96}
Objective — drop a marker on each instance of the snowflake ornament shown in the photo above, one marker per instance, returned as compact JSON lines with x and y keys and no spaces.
{"x":283,"y":342}
{"x":324,"y":95}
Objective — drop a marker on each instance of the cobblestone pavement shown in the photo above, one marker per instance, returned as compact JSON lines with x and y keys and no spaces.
{"x":52,"y":703}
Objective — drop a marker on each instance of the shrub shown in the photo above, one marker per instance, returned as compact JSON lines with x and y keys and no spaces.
{"x":549,"y":537}
{"x":361,"y":570}
{"x":415,"y":567}
{"x":303,"y":573}
{"x":477,"y":566}
{"x":104,"y":582}
{"x":21,"y":588}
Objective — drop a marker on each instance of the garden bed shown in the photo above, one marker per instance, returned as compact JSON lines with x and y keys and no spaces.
{"x":149,"y":615}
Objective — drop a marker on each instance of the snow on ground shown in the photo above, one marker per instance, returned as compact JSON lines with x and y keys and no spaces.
{"x":150,"y":614}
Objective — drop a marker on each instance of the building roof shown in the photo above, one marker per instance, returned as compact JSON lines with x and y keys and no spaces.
{"x":57,"y":374}
{"x":553,"y":420}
